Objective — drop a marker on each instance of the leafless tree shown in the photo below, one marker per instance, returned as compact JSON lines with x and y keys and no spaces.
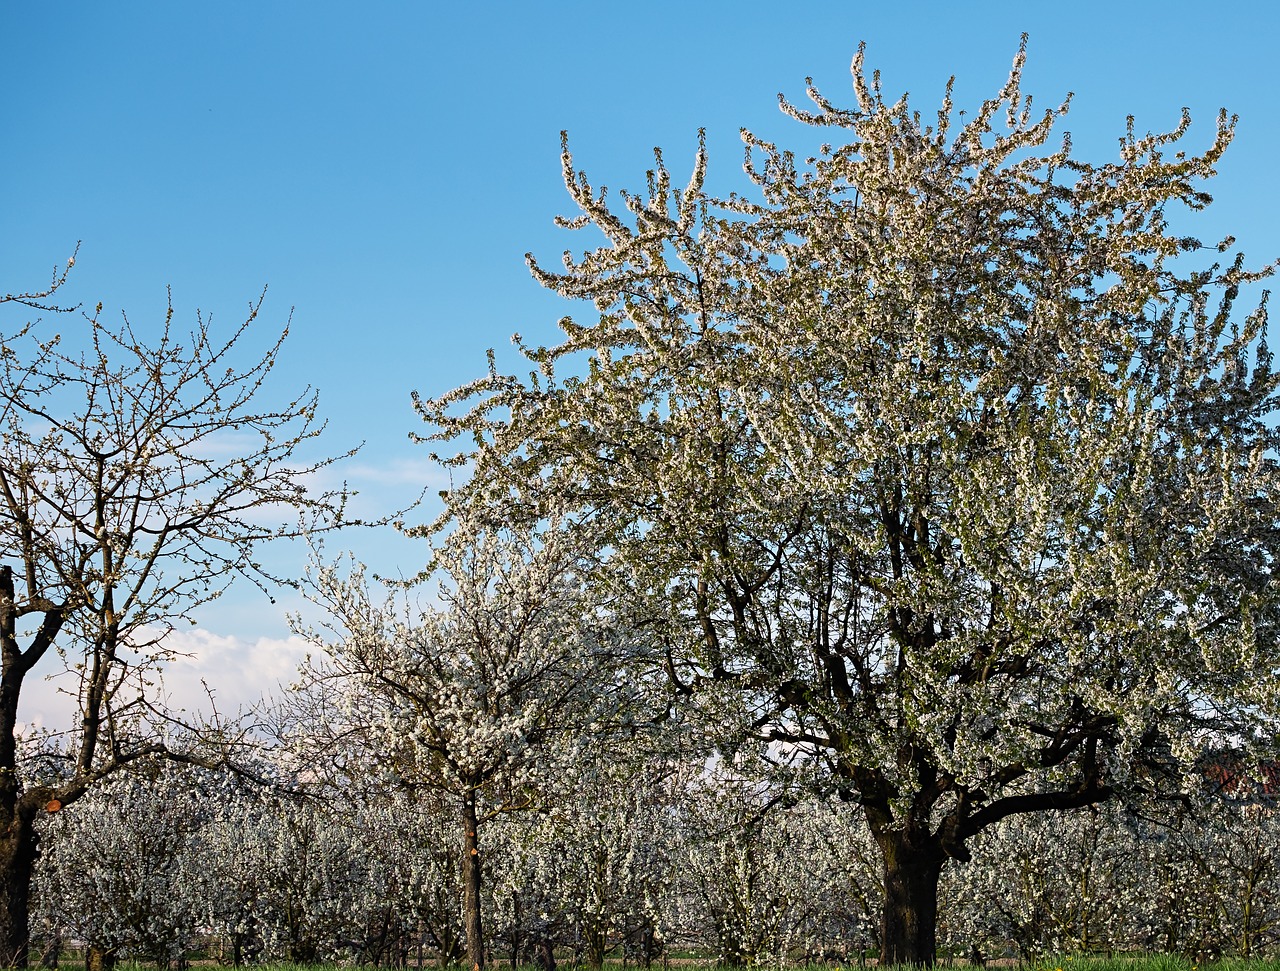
{"x":140,"y":473}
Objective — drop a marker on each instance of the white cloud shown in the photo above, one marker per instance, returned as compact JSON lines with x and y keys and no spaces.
{"x":416,"y":472}
{"x":238,"y":671}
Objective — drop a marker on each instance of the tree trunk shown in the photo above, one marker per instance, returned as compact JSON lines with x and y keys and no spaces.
{"x":516,"y":931}
{"x":909,"y":922}
{"x":545,"y":952}
{"x":18,"y":845}
{"x":471,"y":877}
{"x":52,"y":952}
{"x":99,"y":959}
{"x":596,"y":942}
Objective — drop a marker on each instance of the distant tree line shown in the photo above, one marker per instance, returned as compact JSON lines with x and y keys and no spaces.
{"x":632,"y":861}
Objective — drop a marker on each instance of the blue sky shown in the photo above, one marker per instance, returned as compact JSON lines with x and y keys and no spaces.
{"x":384,"y":167}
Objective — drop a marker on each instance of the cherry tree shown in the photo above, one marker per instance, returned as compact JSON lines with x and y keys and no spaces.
{"x":776,"y":884}
{"x":741,"y":868}
{"x":1238,"y":857}
{"x":593,"y":868}
{"x":141,"y":471}
{"x":842,"y":870}
{"x":118,"y":868}
{"x":1049,"y":884}
{"x":1204,"y":883}
{"x":476,"y":696}
{"x":943,"y":463}
{"x":149,"y":863}
{"x":311,"y":886}
{"x":410,"y":847}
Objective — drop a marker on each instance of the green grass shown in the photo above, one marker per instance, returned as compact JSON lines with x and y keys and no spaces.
{"x":1152,"y":962}
{"x":689,"y":962}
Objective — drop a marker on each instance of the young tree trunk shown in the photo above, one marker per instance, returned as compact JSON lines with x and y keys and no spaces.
{"x":515,"y":930}
{"x":909,"y":922}
{"x":18,"y":845}
{"x":596,"y":942}
{"x":52,"y":952}
{"x":471,"y":877}
{"x":648,"y":945}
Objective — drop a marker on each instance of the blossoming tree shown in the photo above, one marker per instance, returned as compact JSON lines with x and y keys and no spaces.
{"x":474,"y":697}
{"x":594,"y":868}
{"x":139,"y":474}
{"x":943,"y":462}
{"x":116,"y":866}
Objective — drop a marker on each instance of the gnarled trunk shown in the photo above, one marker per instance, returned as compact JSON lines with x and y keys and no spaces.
{"x":596,"y":942}
{"x":99,"y":959}
{"x":909,"y":921}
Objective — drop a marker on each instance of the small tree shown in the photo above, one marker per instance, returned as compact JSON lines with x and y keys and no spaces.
{"x":474,"y":698}
{"x":943,"y":464}
{"x":138,"y":477}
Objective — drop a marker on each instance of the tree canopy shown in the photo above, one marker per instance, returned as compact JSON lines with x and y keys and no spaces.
{"x":945,"y":460}
{"x":481,"y":697}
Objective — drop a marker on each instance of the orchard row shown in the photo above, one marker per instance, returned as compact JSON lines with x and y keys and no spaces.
{"x":626,"y":860}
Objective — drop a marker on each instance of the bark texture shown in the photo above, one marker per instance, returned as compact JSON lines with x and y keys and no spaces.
{"x":471,"y":883}
{"x":18,"y":851}
{"x":909,"y":921}
{"x":99,"y":959}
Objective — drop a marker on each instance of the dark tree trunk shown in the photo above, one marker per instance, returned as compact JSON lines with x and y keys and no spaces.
{"x":909,"y":922}
{"x":99,"y":959}
{"x":516,"y":930}
{"x":648,"y":945}
{"x":52,"y":952}
{"x":18,"y":846}
{"x":19,"y":842}
{"x":471,"y":883}
{"x":546,"y":954}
